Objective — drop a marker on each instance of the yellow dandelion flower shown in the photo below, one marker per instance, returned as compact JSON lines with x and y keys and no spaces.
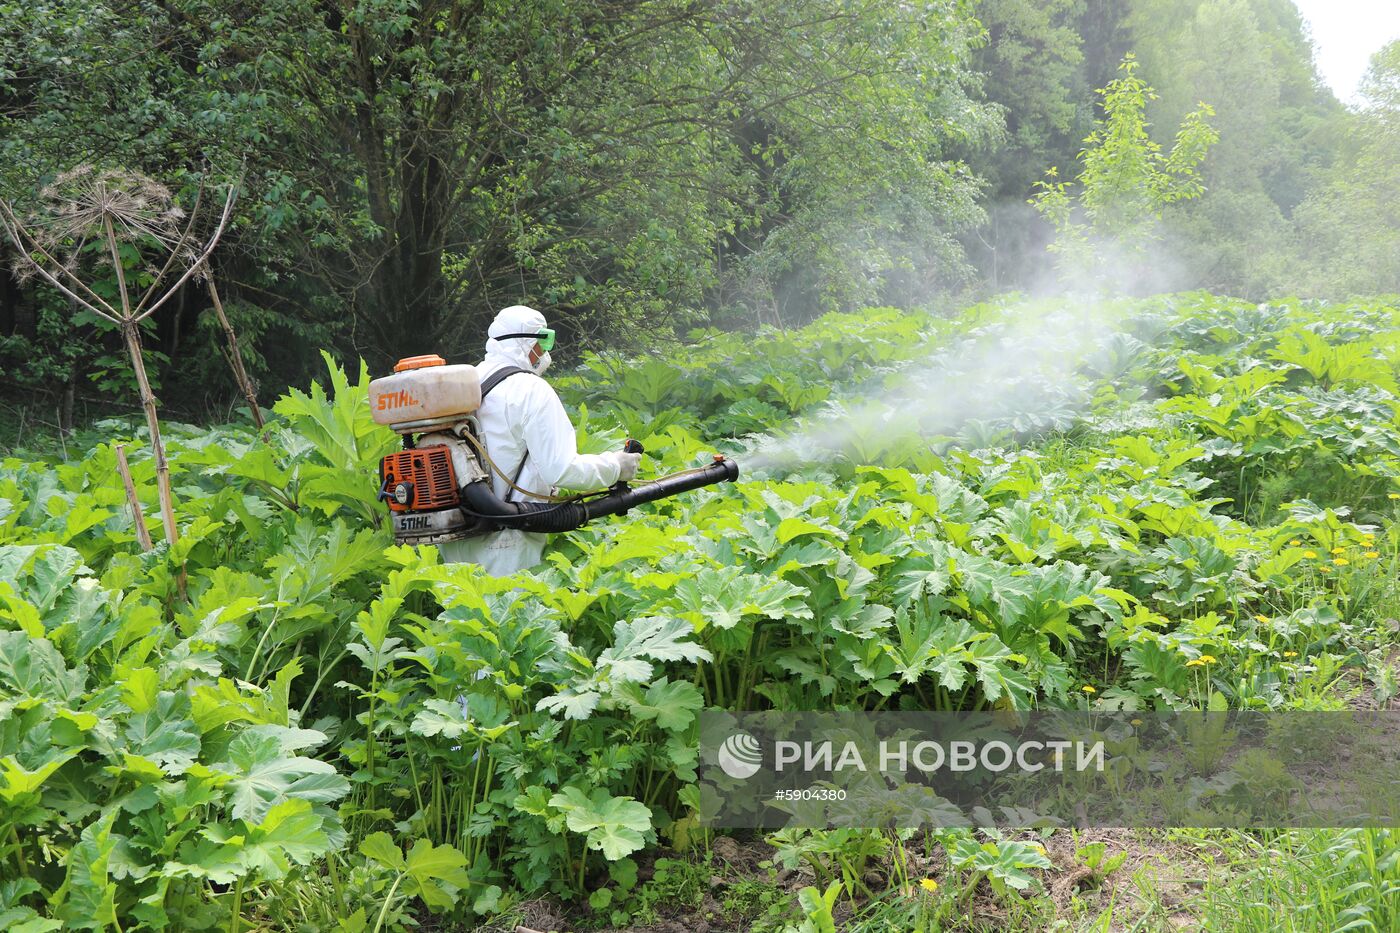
{"x":1325,"y":569}
{"x":1393,"y":495}
{"x":1135,"y":722}
{"x":1310,"y":554}
{"x":1372,"y":555}
{"x":1290,"y":654}
{"x":1294,"y":543}
{"x":1340,"y":561}
{"x":1088,"y":689}
{"x":1195,"y":662}
{"x":1339,"y":550}
{"x":1207,"y":659}
{"x":1261,"y":618}
{"x":928,"y":884}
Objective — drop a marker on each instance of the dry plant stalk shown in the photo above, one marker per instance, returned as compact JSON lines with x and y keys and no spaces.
{"x":235,"y":356}
{"x":113,"y":208}
{"x":143,"y":534}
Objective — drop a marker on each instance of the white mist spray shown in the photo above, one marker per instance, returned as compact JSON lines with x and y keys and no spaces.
{"x":1032,"y":369}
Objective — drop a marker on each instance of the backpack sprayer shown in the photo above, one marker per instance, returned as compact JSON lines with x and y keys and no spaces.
{"x":429,"y":501}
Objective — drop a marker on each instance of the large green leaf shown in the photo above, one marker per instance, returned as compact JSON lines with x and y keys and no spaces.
{"x":672,"y":705}
{"x":262,"y":774}
{"x":481,"y":715}
{"x":290,"y":833}
{"x":613,"y":825}
{"x":17,"y":779}
{"x":660,"y":638}
{"x":87,"y":898}
{"x":722,"y":597}
{"x":435,"y":873}
{"x":165,"y":734}
{"x":33,"y":666}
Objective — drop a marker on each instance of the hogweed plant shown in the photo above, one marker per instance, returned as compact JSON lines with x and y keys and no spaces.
{"x":115,"y":216}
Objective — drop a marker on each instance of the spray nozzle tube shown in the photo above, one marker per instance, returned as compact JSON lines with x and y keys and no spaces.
{"x":482,"y":502}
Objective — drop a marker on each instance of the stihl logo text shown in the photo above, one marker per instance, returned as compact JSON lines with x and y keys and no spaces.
{"x":399,"y":399}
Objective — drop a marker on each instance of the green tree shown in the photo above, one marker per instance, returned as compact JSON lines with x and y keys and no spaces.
{"x":1106,"y":224}
{"x":1278,"y":124}
{"x":1348,"y":230}
{"x":413,"y":166}
{"x":1032,"y":68}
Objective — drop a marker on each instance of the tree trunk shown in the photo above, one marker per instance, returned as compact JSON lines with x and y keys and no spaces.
{"x":419,"y":261}
{"x":65,"y":411}
{"x":175,"y":326}
{"x":235,"y":357}
{"x":132,"y":336}
{"x":13,"y":319}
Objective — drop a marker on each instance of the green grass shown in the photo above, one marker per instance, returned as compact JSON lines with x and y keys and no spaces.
{"x":1307,"y":880}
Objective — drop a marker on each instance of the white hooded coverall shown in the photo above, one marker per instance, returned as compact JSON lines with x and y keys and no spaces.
{"x":523,"y":413}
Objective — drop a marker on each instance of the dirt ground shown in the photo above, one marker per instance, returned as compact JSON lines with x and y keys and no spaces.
{"x":1174,"y":872}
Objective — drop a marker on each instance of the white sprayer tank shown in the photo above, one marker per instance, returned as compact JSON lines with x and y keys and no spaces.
{"x":422,"y":392}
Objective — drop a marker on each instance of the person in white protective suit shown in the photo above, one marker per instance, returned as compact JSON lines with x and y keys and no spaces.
{"x":530,"y":438}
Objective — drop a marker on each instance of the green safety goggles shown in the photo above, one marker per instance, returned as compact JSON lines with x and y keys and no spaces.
{"x":545,"y":337}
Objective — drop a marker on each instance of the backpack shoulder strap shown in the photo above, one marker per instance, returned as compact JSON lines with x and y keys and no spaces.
{"x":491,"y":381}
{"x":499,"y":376}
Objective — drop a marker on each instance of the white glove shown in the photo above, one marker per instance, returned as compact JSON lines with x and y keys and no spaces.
{"x":627,"y":464}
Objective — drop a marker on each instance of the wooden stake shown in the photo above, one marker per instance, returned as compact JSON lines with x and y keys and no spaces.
{"x":234,"y":356}
{"x":143,"y":534}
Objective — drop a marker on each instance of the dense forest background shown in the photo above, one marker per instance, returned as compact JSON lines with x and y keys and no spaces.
{"x":637,"y":169}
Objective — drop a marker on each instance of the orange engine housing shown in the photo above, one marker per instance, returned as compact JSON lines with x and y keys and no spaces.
{"x":419,"y":480}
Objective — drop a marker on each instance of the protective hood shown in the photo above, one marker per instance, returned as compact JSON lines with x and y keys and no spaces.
{"x":517,"y":319}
